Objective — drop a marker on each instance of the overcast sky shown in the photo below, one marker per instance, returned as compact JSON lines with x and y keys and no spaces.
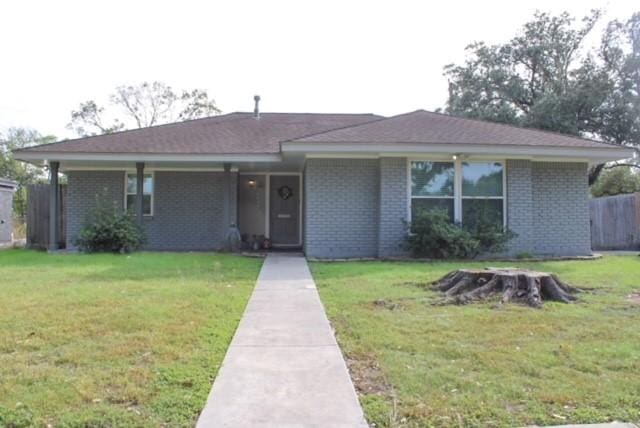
{"x":383,"y":57}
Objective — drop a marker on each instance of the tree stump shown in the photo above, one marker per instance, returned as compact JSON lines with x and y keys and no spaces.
{"x":513,"y":285}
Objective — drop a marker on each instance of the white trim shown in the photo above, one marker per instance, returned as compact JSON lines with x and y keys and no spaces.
{"x":147,"y":157}
{"x":505,"y":194}
{"x":502,"y":162}
{"x":153,"y":189}
{"x":128,"y":168}
{"x":268,"y":173}
{"x":504,"y":150}
{"x":339,"y":156}
{"x":457,"y":190}
{"x":410,"y":196}
{"x":8,"y":185}
{"x":432,"y":197}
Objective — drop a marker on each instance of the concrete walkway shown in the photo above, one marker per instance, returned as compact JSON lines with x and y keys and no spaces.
{"x":283,"y":367}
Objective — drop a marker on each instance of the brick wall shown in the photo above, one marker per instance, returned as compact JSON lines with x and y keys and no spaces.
{"x":83,"y":190}
{"x":393,"y":206}
{"x":560,"y":208}
{"x":341,"y":207}
{"x":548,"y":207}
{"x":188,"y":211}
{"x":187,"y":206}
{"x":353,"y":207}
{"x":520,"y":205}
{"x":346,"y":214}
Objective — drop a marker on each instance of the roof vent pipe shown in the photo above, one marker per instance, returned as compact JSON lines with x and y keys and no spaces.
{"x":256,"y":110}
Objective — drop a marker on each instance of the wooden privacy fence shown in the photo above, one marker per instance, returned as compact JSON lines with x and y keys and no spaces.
{"x":38,"y":216}
{"x":615,"y":222}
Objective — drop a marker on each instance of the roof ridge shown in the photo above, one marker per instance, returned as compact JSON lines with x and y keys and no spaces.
{"x":309,"y":113}
{"x":510,"y":125}
{"x":482,"y":121}
{"x":226,"y":117}
{"x":88,"y":137}
{"x":349,"y":126}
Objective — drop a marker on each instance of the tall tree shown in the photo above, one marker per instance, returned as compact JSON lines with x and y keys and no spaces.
{"x":618,"y":119}
{"x":138,"y":106}
{"x":21,"y":172}
{"x":542,"y":78}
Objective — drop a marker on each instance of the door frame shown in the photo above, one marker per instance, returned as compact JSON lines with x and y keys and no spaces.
{"x":267,"y":214}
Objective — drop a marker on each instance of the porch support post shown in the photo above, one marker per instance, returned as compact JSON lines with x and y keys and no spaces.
{"x":54,"y":206}
{"x":227,"y":196}
{"x":139,"y":192}
{"x":232,"y":235}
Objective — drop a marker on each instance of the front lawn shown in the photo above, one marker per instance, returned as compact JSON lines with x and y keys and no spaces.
{"x":115,"y":340}
{"x":487,"y":365}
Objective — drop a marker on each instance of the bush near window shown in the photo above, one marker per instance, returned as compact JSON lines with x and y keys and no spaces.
{"x":432,"y":235}
{"x":108,"y":229}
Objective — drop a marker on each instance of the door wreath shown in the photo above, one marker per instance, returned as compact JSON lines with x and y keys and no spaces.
{"x":285,"y":192}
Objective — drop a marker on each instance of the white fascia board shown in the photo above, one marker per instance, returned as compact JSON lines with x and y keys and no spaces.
{"x":145,"y":157}
{"x":409,"y":149}
{"x":147,"y":169}
{"x":8,"y":185}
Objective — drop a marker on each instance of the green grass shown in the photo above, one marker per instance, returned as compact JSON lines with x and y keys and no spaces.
{"x":487,"y":365}
{"x":115,"y":340}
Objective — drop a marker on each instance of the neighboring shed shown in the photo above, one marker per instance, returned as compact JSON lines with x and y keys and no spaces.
{"x":7,"y":187}
{"x":615,"y":222}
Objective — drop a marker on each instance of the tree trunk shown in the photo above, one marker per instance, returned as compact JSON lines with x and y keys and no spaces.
{"x":514,"y":285}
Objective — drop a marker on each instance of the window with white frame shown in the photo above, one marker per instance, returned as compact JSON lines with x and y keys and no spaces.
{"x":432,"y":186}
{"x":147,"y":193}
{"x":466,"y":190}
{"x":482,"y":192}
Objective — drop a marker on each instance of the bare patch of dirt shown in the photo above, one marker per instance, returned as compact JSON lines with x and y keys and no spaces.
{"x":413,"y":284}
{"x":387,"y":304}
{"x":367,"y":376}
{"x":634,"y":297}
{"x":394,"y":304}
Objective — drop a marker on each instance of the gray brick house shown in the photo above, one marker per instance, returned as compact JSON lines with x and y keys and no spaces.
{"x":336,"y":185}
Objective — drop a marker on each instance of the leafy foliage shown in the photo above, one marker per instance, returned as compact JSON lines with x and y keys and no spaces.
{"x":22,"y":173}
{"x":142,"y":105}
{"x":487,"y":229}
{"x":19,"y":417}
{"x":433,"y":235}
{"x":542,"y":79}
{"x":108,"y":229}
{"x":616,"y":181}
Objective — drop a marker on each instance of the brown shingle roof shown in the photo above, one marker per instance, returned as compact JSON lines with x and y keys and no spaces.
{"x":435,"y":128}
{"x":241,"y":133}
{"x":233,"y":133}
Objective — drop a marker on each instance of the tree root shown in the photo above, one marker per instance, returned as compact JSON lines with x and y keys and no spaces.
{"x":515,"y":285}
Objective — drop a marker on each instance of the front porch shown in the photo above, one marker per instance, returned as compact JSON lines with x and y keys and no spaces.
{"x":186,"y":207}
